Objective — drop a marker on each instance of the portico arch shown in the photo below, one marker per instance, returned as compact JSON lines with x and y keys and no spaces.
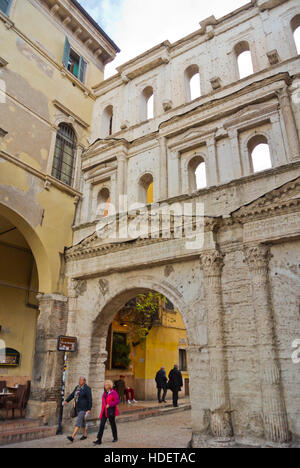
{"x":122,"y":293}
{"x":35,"y":244}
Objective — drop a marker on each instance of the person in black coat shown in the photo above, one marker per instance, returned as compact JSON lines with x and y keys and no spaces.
{"x":82,"y":395}
{"x":175,"y":384}
{"x":161,"y":383}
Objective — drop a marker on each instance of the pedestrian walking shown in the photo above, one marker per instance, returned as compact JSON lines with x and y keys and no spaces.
{"x":175,"y":384}
{"x":109,"y":411}
{"x":82,"y":396}
{"x":161,"y":383}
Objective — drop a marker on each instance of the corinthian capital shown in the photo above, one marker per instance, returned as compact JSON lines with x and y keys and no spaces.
{"x":212,"y":263}
{"x":257,"y":257}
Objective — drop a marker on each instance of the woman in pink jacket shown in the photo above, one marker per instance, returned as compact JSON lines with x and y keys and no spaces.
{"x":110,"y":401}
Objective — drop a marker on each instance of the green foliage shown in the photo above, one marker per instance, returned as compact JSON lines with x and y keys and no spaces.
{"x":141,"y":315}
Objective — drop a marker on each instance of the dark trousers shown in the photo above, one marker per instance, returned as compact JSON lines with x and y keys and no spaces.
{"x":175,"y":397}
{"x":113,"y":426}
{"x":159,"y":390}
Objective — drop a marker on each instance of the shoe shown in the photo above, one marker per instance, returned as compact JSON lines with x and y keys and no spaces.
{"x":134,"y":401}
{"x":164,"y":401}
{"x":71,"y":439}
{"x":98,"y":442}
{"x":160,"y":402}
{"x":83,"y":438}
{"x":115,"y":440}
{"x":128,"y":402}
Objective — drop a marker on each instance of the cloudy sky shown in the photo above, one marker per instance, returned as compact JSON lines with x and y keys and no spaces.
{"x":138,"y":25}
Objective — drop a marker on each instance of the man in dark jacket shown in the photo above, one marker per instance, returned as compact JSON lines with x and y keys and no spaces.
{"x":175,"y":384}
{"x":161,"y":383}
{"x":82,"y":396}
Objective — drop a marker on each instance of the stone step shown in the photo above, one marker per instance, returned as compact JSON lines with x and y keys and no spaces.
{"x":26,"y":434}
{"x":15,"y":424}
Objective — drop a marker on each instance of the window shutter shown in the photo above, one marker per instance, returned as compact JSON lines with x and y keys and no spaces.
{"x":66,"y":54}
{"x":82,"y":69}
{"x":5,"y":6}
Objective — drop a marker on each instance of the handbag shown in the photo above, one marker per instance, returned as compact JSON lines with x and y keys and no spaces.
{"x":73,"y":413}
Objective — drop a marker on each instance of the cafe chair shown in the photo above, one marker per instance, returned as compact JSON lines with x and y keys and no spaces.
{"x":2,"y":385}
{"x":17,"y":401}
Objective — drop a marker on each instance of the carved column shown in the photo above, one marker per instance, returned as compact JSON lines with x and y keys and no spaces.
{"x":290,"y":124}
{"x":212,"y":265}
{"x":122,"y":165}
{"x":213,"y":177}
{"x":274,"y":411}
{"x":163,"y":166}
{"x":235,"y":152}
{"x":48,"y":362}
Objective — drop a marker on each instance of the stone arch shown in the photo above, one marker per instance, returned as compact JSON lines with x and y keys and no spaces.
{"x":255,"y":140}
{"x":192,"y":72}
{"x":189,"y":167}
{"x":103,"y":201}
{"x":36,"y":245}
{"x":243,"y":51}
{"x":107,"y":121}
{"x":146,"y":181}
{"x":108,"y":309}
{"x":147,"y":103}
{"x":295,"y":25}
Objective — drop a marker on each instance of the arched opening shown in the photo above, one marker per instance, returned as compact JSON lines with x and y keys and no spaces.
{"x":19,"y":286}
{"x":142,"y":331}
{"x":107,"y":121}
{"x":259,"y":154}
{"x":146,"y":189}
{"x":147,"y":111}
{"x":192,"y":82}
{"x":64,"y":154}
{"x":103,"y":202}
{"x":197,"y":174}
{"x":244,"y":59}
{"x":295,"y":25}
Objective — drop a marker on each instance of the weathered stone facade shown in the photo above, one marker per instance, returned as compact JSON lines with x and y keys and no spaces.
{"x":238,"y":293}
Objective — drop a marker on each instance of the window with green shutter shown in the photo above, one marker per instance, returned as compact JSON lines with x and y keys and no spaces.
{"x":5,"y":6}
{"x":74,"y":62}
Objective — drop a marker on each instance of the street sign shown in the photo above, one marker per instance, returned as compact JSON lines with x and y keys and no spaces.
{"x":68,"y":344}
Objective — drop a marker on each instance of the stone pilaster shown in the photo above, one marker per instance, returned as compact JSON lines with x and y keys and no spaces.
{"x":274,"y":411}
{"x":212,"y":264}
{"x":163,"y":167}
{"x":122,"y":170}
{"x":48,"y":362}
{"x":290,"y":123}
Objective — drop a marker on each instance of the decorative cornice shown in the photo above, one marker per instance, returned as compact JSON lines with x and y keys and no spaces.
{"x":274,"y":203}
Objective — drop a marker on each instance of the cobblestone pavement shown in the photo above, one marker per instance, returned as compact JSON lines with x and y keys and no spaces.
{"x":169,"y":431}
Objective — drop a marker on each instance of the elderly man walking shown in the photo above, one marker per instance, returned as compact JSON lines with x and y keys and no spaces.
{"x":161,"y":383}
{"x":175,"y":384}
{"x":82,"y":396}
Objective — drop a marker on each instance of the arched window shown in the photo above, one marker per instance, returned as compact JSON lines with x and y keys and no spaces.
{"x":192,"y":82}
{"x":197,"y":174}
{"x":146,"y":189}
{"x":107,"y":121}
{"x":259,"y":153}
{"x":103,"y":202}
{"x":64,"y":155}
{"x":244,"y":59}
{"x":295,"y":24}
{"x":147,"y":104}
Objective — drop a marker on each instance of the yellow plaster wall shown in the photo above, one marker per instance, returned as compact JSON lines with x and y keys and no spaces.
{"x":161,"y":349}
{"x":19,"y":319}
